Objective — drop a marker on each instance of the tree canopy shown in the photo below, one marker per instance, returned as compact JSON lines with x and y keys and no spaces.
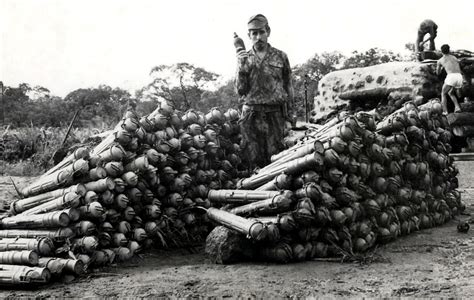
{"x":183,"y":84}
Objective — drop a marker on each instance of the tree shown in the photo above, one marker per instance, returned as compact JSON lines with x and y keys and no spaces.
{"x":225,"y":97}
{"x":308,"y":74}
{"x":371,"y":57}
{"x":98,"y":105}
{"x":411,"y":48}
{"x":49,"y":112}
{"x":15,"y":105}
{"x":182,"y":84}
{"x":39,"y":93}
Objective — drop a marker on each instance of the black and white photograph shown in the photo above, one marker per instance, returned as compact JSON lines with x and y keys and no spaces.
{"x":236,"y":149}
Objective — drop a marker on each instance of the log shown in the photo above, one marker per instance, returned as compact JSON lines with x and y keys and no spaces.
{"x":467,"y":106}
{"x":464,"y":130}
{"x":468,"y":156}
{"x":461,"y":118}
{"x":468,"y":89}
{"x":376,"y":93}
{"x":225,"y":246}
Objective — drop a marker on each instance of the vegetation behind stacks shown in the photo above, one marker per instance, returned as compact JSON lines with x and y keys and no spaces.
{"x":34,"y":122}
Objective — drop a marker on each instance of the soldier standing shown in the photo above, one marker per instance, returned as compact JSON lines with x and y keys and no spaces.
{"x":264,"y":85}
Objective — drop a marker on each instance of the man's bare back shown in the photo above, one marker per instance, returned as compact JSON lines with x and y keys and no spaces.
{"x":450,"y":64}
{"x":453,"y":81}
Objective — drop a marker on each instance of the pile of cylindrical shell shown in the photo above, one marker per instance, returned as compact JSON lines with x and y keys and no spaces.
{"x":344,"y":188}
{"x":350,"y":185}
{"x":138,"y":188}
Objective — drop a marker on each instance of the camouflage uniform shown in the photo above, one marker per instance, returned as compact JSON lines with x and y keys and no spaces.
{"x":266,"y":91}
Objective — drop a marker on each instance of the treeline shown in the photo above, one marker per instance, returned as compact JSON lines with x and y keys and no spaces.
{"x":184,"y":85}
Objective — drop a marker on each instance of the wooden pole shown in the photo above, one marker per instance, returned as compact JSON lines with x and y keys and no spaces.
{"x":70,"y":126}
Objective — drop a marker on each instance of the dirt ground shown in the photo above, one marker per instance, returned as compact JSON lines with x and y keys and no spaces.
{"x":438,"y":262}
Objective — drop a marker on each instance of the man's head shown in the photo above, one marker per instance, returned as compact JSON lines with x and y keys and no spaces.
{"x":445,"y":49}
{"x":259,"y":31}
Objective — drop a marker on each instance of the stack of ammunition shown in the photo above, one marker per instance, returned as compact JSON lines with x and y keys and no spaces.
{"x":137,"y":189}
{"x":346,"y":187}
{"x":349,"y":186}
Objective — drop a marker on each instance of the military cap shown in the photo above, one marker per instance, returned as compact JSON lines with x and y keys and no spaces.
{"x":257,"y":22}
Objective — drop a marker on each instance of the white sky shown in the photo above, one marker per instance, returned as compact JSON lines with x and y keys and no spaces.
{"x":64,"y":45}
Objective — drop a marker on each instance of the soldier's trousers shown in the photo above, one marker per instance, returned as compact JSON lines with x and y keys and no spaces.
{"x":262,"y":128}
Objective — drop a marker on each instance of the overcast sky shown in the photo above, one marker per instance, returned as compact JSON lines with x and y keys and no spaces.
{"x":65,"y":45}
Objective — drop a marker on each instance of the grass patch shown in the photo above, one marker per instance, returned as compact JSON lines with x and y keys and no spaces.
{"x":28,"y":151}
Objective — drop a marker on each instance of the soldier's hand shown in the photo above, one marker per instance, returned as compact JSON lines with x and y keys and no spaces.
{"x":241,"y":55}
{"x":242,"y":60}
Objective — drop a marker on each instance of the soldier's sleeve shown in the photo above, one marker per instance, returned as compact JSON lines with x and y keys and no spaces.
{"x":288,"y":83}
{"x":242,"y":82}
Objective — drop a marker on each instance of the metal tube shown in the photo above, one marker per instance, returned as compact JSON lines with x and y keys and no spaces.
{"x":23,"y":275}
{"x":49,"y":183}
{"x":110,"y":139}
{"x":55,"y":234}
{"x":52,"y":263}
{"x":21,"y":205}
{"x":240,"y":196}
{"x":92,"y":210}
{"x":311,"y":137}
{"x":138,"y":164}
{"x":311,"y":161}
{"x":122,"y":253}
{"x":42,"y":245}
{"x":434,"y":106}
{"x":72,"y":265}
{"x":113,"y":153}
{"x":85,"y":258}
{"x":73,"y":214}
{"x":84,"y":228}
{"x":52,"y":219}
{"x":81,"y":152}
{"x":100,"y":185}
{"x":60,"y":265}
{"x":85,"y":244}
{"x":269,"y":186}
{"x":107,"y":142}
{"x":57,"y":179}
{"x":24,"y":257}
{"x":69,"y":200}
{"x":251,"y":228}
{"x":272,"y":205}
{"x":305,"y":149}
{"x":100,"y":258}
{"x":391,"y":123}
{"x":96,"y":174}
